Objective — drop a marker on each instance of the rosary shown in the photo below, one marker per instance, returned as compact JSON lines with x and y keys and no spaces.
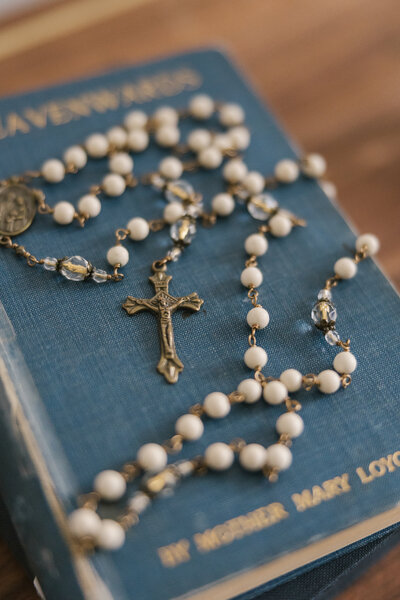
{"x":204,"y":149}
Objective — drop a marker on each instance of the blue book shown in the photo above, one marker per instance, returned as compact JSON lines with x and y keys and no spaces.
{"x":79,"y":392}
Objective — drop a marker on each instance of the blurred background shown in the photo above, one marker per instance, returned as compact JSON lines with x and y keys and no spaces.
{"x":329,"y":71}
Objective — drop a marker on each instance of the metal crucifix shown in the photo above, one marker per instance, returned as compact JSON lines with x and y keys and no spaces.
{"x":163,"y":305}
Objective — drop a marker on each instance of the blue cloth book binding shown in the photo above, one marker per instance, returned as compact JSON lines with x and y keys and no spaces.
{"x":79,"y":392}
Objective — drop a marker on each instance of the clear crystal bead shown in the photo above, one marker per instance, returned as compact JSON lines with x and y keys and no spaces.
{"x":332,"y":337}
{"x":179,"y":190}
{"x":324,"y":314}
{"x":174,"y":253}
{"x":194,"y":209}
{"x":99,"y":276}
{"x":260,"y":207}
{"x":75,"y":268}
{"x":50,"y":263}
{"x":324,"y":294}
{"x":183,"y":231}
{"x":157,"y":181}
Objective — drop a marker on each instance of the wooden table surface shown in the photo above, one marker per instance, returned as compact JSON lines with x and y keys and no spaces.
{"x":328,"y":69}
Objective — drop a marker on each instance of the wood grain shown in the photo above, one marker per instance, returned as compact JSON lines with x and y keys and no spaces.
{"x":328,"y":70}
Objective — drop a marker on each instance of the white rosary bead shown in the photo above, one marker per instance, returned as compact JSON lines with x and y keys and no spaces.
{"x":256,"y":244}
{"x":240,"y":137}
{"x":290,"y":424}
{"x":53,"y":170}
{"x":89,"y":205}
{"x":117,"y":136}
{"x":370,"y":241}
{"x":223,"y":204}
{"x":329,"y":381}
{"x":251,"y":389}
{"x":279,"y":457}
{"x":345,"y":362}
{"x":231,"y":115}
{"x":345,"y":268}
{"x":136,"y":119}
{"x":97,"y":145}
{"x":255,"y":357}
{"x":138,"y":140}
{"x":219,"y":456}
{"x":64,"y":213}
{"x":280,"y":225}
{"x":111,"y":535}
{"x":201,"y":106}
{"x":217,"y":405}
{"x":138,"y":229}
{"x":254,"y":182}
{"x":173,"y":212}
{"x":251,"y":277}
{"x":222,"y":141}
{"x":234,"y":170}
{"x":252,"y":457}
{"x":165,"y":115}
{"x":275,"y":392}
{"x":75,"y":156}
{"x":167,"y":136}
{"x":314,"y":165}
{"x":152,"y":457}
{"x":171,"y":167}
{"x":139,"y":502}
{"x":113,"y":185}
{"x":292,"y":379}
{"x":258,"y":317}
{"x":287,"y":170}
{"x":84,"y":522}
{"x":110,"y":485}
{"x":198,"y":139}
{"x":118,"y":255}
{"x":190,"y":427}
{"x":210,"y":158}
{"x":121,"y":163}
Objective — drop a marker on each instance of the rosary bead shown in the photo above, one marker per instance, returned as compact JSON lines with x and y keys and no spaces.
{"x":99,"y":276}
{"x":139,"y":502}
{"x":292,"y":379}
{"x":121,"y":163}
{"x":64,"y":213}
{"x":222,"y":141}
{"x":74,"y":268}
{"x":291,"y":424}
{"x":332,"y":337}
{"x":370,"y":241}
{"x":329,"y":381}
{"x":113,"y":185}
{"x":275,"y":392}
{"x":345,"y":362}
{"x":280,"y":225}
{"x":84,"y":522}
{"x":198,"y":139}
{"x":345,"y":268}
{"x":254,"y":182}
{"x":97,"y":145}
{"x":75,"y":156}
{"x":240,"y":137}
{"x":118,"y":137}
{"x":324,"y":294}
{"x":171,"y":167}
{"x":89,"y":205}
{"x":314,"y":165}
{"x":251,"y":389}
{"x":190,"y":426}
{"x":53,"y":170}
{"x":152,"y":457}
{"x":231,"y":115}
{"x":110,"y":485}
{"x":118,"y":255}
{"x":223,"y":204}
{"x":165,"y":115}
{"x":135,"y":119}
{"x":138,"y":140}
{"x":260,"y":206}
{"x":219,"y":456}
{"x":251,"y":277}
{"x":50,"y":263}
{"x":201,"y":106}
{"x":286,"y":170}
{"x":258,"y":317}
{"x":256,"y":244}
{"x":185,"y":468}
{"x":234,"y":170}
{"x":255,"y":357}
{"x":111,"y":535}
{"x":216,"y":405}
{"x":167,"y":136}
{"x":173,"y":212}
{"x":279,"y":457}
{"x":138,"y":229}
{"x":252,"y":457}
{"x":210,"y":158}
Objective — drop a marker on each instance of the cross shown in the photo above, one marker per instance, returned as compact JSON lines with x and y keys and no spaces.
{"x":164,"y":305}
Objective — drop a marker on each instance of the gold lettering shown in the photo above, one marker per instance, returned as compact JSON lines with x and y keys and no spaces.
{"x":59,"y":113}
{"x":15,"y":123}
{"x":303,"y":501}
{"x":206,"y":541}
{"x":37,"y":117}
{"x":363,"y":476}
{"x":396,"y":458}
{"x":376,"y":468}
{"x":174,"y":554}
{"x":277,"y":512}
{"x":387,"y":461}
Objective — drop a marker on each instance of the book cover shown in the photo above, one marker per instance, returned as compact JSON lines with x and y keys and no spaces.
{"x":79,"y":390}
